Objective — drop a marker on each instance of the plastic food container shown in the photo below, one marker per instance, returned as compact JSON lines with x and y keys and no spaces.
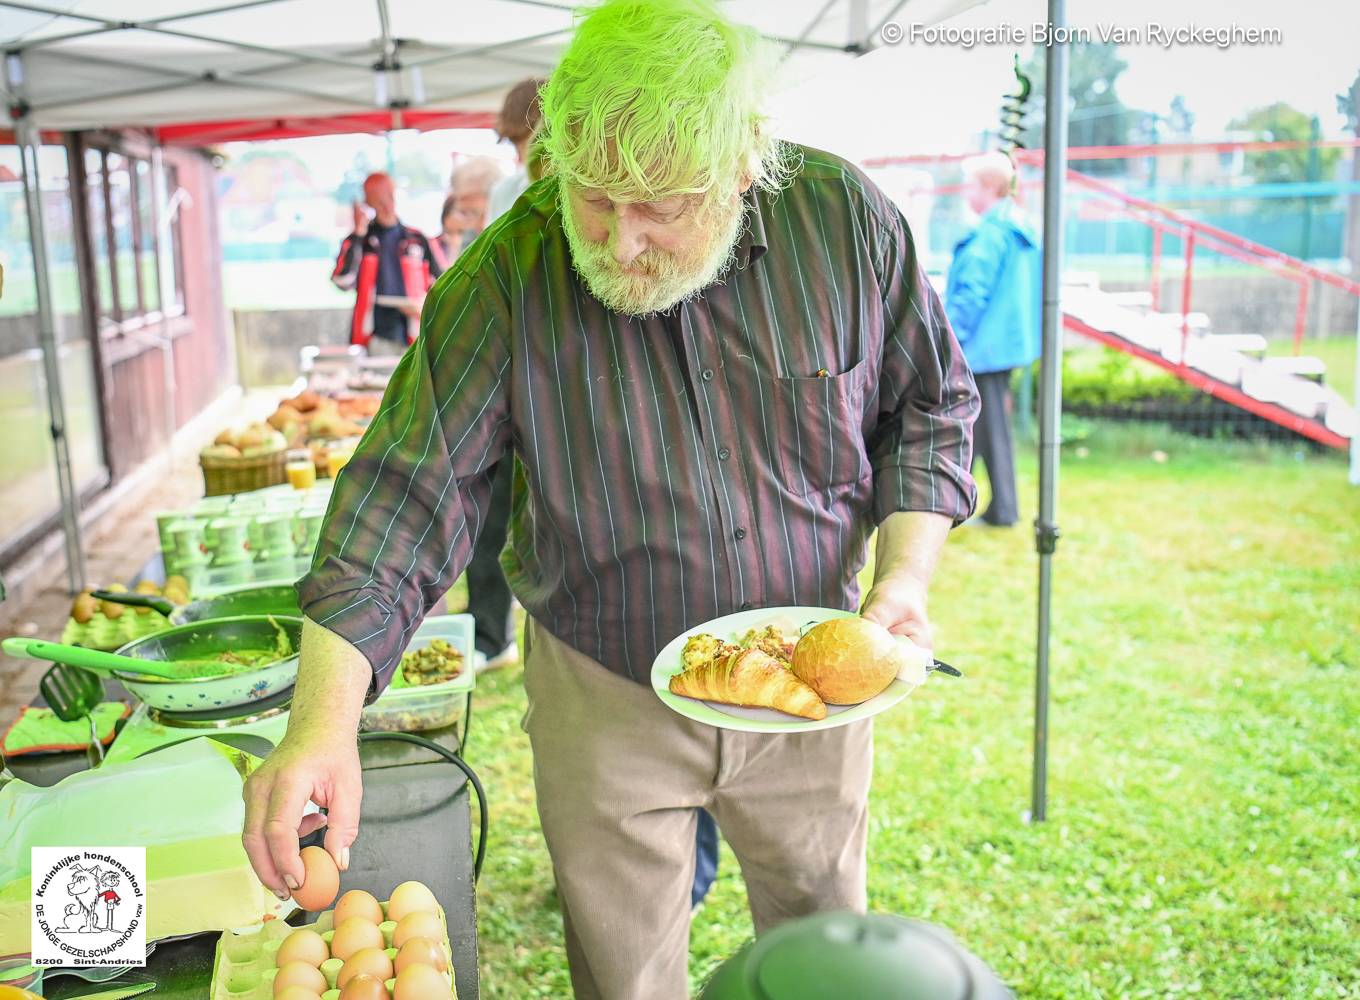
{"x":432,"y":706}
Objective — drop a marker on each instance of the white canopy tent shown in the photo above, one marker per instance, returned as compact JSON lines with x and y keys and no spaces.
{"x":105,"y":63}
{"x":198,"y":72}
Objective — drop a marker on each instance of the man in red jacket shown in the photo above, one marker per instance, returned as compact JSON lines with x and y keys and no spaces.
{"x":390,"y":266}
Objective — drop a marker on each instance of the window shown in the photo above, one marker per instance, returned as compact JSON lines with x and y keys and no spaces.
{"x":133,"y":283}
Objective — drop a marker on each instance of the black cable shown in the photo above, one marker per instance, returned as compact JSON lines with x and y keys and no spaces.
{"x":467,"y":725}
{"x":462,"y":765}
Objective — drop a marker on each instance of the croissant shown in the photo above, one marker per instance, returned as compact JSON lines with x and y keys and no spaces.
{"x":751,"y":678}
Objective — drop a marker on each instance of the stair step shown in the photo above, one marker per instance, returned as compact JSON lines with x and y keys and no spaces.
{"x":1131,"y":300}
{"x":1081,"y":279}
{"x":1252,"y":344}
{"x":1307,"y":399}
{"x":1195,"y":321}
{"x":1300,"y":366}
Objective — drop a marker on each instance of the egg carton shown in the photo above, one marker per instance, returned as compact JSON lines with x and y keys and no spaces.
{"x":102,"y":632}
{"x":244,"y":965}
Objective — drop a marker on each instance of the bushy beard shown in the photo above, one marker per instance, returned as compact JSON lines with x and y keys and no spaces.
{"x":667,"y":279}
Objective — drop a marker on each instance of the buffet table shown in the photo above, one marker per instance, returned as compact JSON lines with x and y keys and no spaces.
{"x":416,"y":825}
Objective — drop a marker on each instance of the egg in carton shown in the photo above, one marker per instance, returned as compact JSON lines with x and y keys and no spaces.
{"x":358,"y":959}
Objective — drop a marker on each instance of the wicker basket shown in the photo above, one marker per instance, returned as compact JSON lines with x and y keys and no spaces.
{"x":240,"y":475}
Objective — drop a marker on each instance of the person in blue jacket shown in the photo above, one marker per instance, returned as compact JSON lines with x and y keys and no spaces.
{"x":992,"y":300}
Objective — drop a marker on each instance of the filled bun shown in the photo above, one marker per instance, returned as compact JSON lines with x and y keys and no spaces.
{"x":847,"y":660}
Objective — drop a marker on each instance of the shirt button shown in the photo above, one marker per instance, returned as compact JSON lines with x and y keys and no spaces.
{"x":724,"y":454}
{"x":706,"y":374}
{"x":740,"y":533}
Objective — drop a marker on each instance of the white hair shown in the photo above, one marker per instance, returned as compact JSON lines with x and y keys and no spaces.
{"x":994,"y":168}
{"x":482,"y":172}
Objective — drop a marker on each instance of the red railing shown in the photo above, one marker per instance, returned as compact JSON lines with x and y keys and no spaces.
{"x":1194,"y":233}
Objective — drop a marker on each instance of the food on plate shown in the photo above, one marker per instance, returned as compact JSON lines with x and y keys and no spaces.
{"x":751,"y":678}
{"x":353,"y":936}
{"x":437,"y":662}
{"x":770,"y":640}
{"x":366,"y":962}
{"x":848,"y":660}
{"x":421,"y":924}
{"x":302,"y":974}
{"x":702,"y":649}
{"x":357,"y":903}
{"x":303,"y":945}
{"x":364,"y":988}
{"x":408,"y":898}
{"x":320,"y":883}
{"x":420,"y":951}
{"x":421,"y":982}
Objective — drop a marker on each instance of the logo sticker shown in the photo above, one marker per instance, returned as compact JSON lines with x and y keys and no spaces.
{"x":89,"y":906}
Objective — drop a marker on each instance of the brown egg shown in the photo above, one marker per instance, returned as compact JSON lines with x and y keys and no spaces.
{"x":366,"y":962}
{"x":297,"y":993}
{"x":410,"y":897}
{"x":303,"y":945}
{"x":355,"y":934}
{"x":420,"y":982}
{"x":420,"y":951}
{"x":301,"y":974}
{"x":417,"y":925}
{"x":364,"y":988}
{"x":357,"y":903}
{"x":320,"y":881}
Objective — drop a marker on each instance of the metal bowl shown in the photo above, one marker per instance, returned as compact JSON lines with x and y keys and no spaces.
{"x":202,"y":640}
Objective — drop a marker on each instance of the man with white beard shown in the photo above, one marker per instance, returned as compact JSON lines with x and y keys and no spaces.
{"x":720,"y":366}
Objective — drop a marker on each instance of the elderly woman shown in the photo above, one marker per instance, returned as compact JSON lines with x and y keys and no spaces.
{"x":720,"y":367}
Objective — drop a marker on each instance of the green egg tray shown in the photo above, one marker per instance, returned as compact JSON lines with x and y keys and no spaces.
{"x":244,"y":966}
{"x":101,"y":632}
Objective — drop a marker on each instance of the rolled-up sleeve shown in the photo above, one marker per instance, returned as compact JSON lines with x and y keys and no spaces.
{"x":921,"y":446}
{"x":409,"y":504}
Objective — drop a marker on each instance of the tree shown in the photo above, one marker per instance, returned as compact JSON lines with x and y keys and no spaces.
{"x":1096,"y":115}
{"x":1281,"y":123}
{"x":1349,"y":105}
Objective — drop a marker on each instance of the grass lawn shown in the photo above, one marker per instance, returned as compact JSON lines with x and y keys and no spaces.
{"x":1204,"y":810}
{"x":1338,"y":352}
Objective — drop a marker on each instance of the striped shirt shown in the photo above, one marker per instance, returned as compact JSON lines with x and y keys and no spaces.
{"x":734,"y":453}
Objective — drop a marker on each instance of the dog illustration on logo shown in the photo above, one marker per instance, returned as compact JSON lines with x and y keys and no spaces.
{"x":85,"y":887}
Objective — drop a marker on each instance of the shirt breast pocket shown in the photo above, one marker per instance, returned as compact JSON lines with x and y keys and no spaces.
{"x":817,"y":430}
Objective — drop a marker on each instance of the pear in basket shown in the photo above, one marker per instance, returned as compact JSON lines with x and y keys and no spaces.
{"x":850,"y":660}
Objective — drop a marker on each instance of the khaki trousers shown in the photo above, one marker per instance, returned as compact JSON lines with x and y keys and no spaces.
{"x":618,"y":776}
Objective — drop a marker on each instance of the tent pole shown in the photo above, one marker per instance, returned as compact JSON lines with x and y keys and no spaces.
{"x":1050,"y":387}
{"x":29,"y":140}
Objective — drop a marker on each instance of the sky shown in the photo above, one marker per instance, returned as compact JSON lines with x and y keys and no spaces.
{"x":937,"y":97}
{"x":1318,"y":57}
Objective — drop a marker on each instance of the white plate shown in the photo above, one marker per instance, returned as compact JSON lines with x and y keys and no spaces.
{"x":762,"y":720}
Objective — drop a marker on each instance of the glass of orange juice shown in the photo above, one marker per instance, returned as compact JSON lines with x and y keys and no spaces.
{"x":336,"y":460}
{"x":301,"y":469}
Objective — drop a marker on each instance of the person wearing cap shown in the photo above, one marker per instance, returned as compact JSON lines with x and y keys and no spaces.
{"x":720,"y":367}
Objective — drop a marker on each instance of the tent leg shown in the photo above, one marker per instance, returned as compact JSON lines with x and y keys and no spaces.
{"x":1050,"y":387}
{"x":1355,"y":438}
{"x":30,"y":141}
